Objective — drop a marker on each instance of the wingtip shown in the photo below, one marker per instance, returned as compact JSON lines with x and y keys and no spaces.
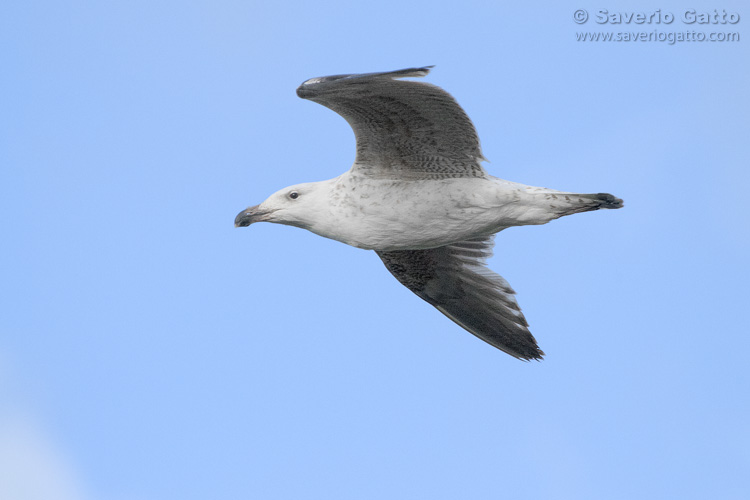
{"x":410,"y":72}
{"x":310,"y":87}
{"x":526,"y":353}
{"x":538,"y":356}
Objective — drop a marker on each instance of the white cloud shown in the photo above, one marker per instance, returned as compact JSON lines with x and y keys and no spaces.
{"x":32,"y":465}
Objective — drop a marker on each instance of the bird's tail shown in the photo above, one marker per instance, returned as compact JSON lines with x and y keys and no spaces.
{"x":601,"y":200}
{"x":575,"y":203}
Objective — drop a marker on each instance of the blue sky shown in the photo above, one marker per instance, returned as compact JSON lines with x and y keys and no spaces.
{"x":150,"y":350}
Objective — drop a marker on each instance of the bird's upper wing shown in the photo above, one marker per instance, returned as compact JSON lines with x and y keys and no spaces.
{"x":456,"y":281}
{"x":404,"y":129}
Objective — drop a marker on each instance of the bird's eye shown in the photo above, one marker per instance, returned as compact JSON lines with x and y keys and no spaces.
{"x":294,"y":195}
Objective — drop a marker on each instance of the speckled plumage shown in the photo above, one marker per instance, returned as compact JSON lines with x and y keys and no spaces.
{"x":418,"y":195}
{"x":404,"y":129}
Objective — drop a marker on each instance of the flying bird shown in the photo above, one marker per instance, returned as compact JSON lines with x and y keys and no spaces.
{"x":418,"y":196}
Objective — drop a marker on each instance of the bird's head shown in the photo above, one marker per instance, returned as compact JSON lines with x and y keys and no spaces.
{"x":291,"y":206}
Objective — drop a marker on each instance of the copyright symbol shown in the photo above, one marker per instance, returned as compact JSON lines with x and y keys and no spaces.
{"x":580,"y":16}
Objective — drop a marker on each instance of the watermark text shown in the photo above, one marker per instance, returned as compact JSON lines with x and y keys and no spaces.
{"x":687,"y":16}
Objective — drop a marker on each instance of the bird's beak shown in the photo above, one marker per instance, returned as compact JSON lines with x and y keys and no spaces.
{"x":250,"y":215}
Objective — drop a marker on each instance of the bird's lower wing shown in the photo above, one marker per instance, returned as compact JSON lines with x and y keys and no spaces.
{"x":456,"y":281}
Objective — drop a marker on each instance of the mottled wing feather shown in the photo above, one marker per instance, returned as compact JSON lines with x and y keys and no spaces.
{"x":404,"y":129}
{"x":456,"y":281}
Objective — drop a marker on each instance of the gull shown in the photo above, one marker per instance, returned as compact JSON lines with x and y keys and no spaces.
{"x":418,"y":196}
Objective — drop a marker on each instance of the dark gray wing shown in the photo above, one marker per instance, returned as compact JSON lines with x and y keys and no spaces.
{"x":456,"y":281}
{"x":404,"y":129}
